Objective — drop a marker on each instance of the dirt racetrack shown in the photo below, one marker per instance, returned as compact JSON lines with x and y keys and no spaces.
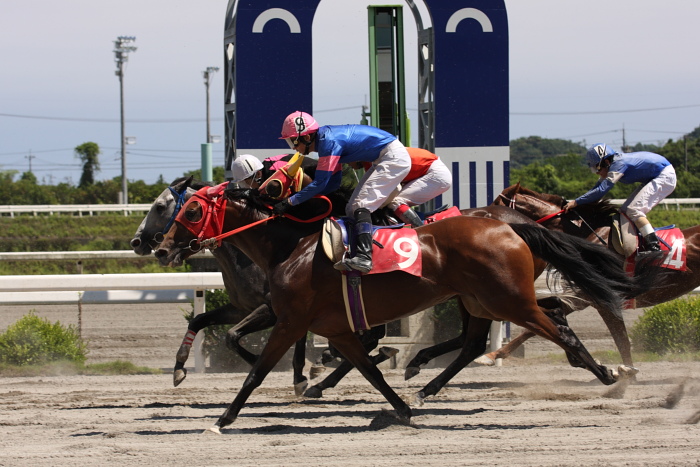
{"x":541,"y":415}
{"x":522,"y":413}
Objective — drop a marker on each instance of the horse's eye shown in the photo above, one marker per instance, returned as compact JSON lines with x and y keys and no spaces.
{"x":194,"y":213}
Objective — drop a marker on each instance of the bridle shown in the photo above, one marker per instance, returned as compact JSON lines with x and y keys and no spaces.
{"x":511,"y":204}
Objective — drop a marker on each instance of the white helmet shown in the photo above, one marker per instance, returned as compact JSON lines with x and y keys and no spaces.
{"x":245,"y":166}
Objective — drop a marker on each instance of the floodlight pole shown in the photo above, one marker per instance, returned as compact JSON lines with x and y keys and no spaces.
{"x":121,"y":54}
{"x":207,"y":81}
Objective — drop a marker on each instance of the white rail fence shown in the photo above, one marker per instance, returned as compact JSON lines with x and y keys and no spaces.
{"x":127,"y":209}
{"x":79,"y":209}
{"x":108,"y":288}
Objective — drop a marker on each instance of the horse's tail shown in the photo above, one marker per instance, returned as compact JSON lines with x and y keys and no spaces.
{"x":593,"y":269}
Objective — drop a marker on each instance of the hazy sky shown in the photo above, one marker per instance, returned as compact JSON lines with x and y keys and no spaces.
{"x":579,"y":70}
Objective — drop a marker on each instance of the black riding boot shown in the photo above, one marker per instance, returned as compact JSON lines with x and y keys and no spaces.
{"x":362,"y":261}
{"x":651,"y":242}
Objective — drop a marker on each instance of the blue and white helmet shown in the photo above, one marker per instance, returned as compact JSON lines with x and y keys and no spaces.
{"x":597,"y":154}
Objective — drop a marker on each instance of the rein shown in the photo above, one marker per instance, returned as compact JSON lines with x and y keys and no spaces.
{"x":555,"y":214}
{"x":216,"y":241}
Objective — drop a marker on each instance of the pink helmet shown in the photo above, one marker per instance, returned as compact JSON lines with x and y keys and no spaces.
{"x":298,"y":124}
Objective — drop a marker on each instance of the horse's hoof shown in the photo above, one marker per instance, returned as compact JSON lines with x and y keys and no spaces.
{"x":388,"y":352}
{"x":214,"y":429}
{"x":299,"y":388}
{"x":411,"y":371}
{"x":484,"y":361}
{"x":179,"y":376}
{"x":316,"y":370}
{"x":625,"y":371}
{"x":418,"y":399}
{"x":313,"y":392}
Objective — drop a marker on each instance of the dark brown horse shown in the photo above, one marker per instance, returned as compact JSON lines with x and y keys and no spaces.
{"x":593,"y":222}
{"x":486,"y":263}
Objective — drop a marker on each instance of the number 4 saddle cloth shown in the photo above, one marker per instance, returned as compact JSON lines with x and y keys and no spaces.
{"x":625,"y":239}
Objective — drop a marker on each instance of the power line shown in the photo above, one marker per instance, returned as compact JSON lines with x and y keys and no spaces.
{"x":594,"y":112}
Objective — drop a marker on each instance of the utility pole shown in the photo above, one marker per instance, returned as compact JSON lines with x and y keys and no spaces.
{"x":32,"y":156}
{"x":121,"y":56}
{"x":207,"y":175}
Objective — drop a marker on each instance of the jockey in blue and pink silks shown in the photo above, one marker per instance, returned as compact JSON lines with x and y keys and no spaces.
{"x":343,"y":144}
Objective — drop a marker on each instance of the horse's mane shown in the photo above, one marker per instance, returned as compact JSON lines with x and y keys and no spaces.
{"x":602,"y":208}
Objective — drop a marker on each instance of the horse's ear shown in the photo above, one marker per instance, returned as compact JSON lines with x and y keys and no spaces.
{"x":181,"y":184}
{"x":517,"y":186}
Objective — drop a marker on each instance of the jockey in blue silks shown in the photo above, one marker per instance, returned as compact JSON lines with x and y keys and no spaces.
{"x":655,"y":173}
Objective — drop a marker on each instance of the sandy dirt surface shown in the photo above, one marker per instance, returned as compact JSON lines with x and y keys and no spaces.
{"x":539,"y":415}
{"x":522,"y":413}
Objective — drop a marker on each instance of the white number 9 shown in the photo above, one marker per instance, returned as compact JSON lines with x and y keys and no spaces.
{"x":411,"y":254}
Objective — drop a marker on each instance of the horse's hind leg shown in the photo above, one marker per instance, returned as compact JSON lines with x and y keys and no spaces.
{"x":369,"y":340}
{"x":562,"y":335}
{"x":474,"y":345}
{"x":428,"y":354}
{"x":505,"y":351}
{"x":226,"y":314}
{"x":343,"y":369}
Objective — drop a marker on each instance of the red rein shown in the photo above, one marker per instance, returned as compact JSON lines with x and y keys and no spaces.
{"x":217,"y":239}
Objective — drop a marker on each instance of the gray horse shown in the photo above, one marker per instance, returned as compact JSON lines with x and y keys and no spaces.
{"x":249,"y":309}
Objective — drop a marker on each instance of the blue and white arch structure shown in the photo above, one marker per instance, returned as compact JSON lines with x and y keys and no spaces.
{"x":266,"y":45}
{"x":471,"y":98}
{"x":267,"y":41}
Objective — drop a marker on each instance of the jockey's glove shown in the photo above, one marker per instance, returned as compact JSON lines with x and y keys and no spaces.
{"x":281,"y":207}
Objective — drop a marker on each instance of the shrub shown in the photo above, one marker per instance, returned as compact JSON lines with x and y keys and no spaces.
{"x":34,"y":341}
{"x":671,"y":327}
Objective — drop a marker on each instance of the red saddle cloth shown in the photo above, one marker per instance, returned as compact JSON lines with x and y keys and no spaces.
{"x":399,"y":251}
{"x":675,"y":259}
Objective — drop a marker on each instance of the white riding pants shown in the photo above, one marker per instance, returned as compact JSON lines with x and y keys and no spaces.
{"x":386,"y":173}
{"x":436,"y":181}
{"x":644,"y":198}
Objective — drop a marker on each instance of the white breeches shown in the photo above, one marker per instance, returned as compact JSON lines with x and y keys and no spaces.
{"x":650,"y":194}
{"x":435,"y":182}
{"x":386,"y":173}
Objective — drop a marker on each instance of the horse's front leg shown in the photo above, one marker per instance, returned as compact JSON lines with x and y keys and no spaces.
{"x":618,"y":330}
{"x":226,"y":314}
{"x":349,"y":345}
{"x":281,"y":338}
{"x":261,"y":318}
{"x":298,"y":360}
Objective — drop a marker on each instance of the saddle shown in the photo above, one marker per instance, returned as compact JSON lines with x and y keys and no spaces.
{"x":625,"y":239}
{"x":395,"y":248}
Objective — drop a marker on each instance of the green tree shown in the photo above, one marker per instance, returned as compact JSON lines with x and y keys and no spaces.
{"x":88,"y":154}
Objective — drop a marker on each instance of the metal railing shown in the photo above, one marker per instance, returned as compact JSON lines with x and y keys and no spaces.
{"x":79,"y":209}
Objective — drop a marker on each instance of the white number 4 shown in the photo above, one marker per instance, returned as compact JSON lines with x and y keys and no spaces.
{"x":674,"y":258}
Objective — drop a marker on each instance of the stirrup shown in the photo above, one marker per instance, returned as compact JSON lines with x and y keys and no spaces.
{"x":358,"y":264}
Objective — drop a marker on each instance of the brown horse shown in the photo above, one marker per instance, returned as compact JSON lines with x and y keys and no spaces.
{"x":593,"y":222}
{"x":486,"y":263}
